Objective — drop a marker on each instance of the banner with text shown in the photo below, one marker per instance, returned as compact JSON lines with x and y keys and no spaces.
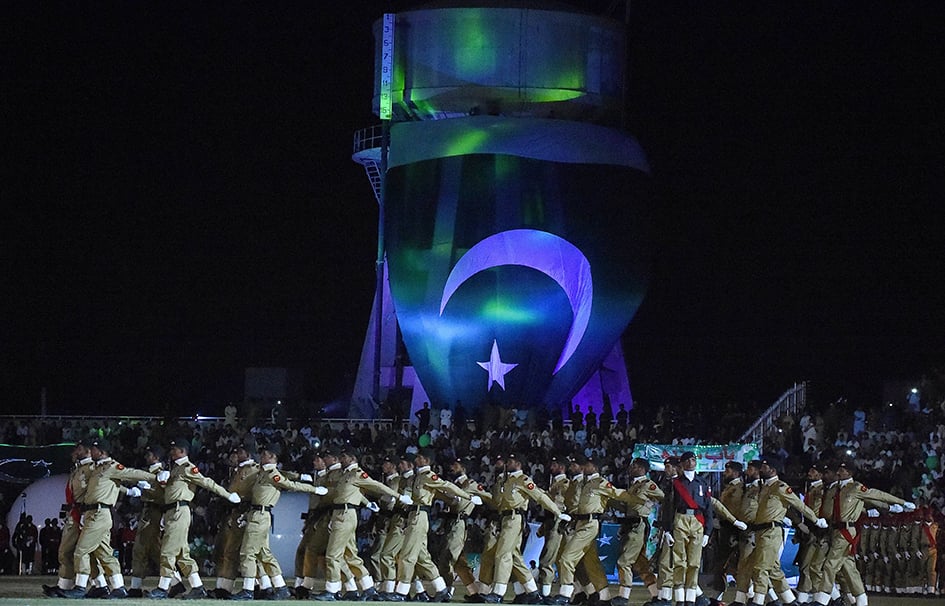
{"x":711,"y":457}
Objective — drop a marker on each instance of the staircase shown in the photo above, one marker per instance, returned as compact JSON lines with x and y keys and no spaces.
{"x":790,"y":402}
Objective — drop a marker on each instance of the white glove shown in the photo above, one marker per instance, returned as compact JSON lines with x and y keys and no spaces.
{"x":373,"y":506}
{"x":233,"y":497}
{"x":787,"y":522}
{"x":668,"y":537}
{"x":564,"y":517}
{"x":163,"y":475}
{"x":321,"y":490}
{"x":134,"y":491}
{"x":895,"y":509}
{"x":740,"y":525}
{"x":872,"y":513}
{"x":406,"y":499}
{"x":144,"y":485}
{"x":305,"y":477}
{"x":705,"y":540}
{"x":476,"y":499}
{"x":821,"y":523}
{"x":908,"y":506}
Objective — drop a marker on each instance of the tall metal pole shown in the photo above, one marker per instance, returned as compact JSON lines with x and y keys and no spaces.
{"x":385,"y":112}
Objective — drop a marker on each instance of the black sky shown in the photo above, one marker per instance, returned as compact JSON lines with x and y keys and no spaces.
{"x":179,"y":201}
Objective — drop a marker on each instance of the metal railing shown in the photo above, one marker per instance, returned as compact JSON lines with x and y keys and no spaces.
{"x":790,"y":402}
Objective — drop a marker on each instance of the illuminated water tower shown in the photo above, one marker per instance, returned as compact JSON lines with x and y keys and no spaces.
{"x":513,"y":206}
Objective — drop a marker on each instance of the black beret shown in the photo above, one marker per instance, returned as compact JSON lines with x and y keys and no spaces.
{"x":736,"y":465}
{"x":687,"y":455}
{"x":181,"y":443}
{"x":102,"y":444}
{"x":156,"y":450}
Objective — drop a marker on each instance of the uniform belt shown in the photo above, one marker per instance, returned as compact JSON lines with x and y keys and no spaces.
{"x":687,"y":512}
{"x":510,"y":512}
{"x":385,"y":513}
{"x":341,"y":506}
{"x":763,"y":526}
{"x":631,"y":521}
{"x":414,"y":508}
{"x":586,"y":516}
{"x":255,"y":507}
{"x":843,"y":525}
{"x":94,"y":506}
{"x":175,"y":505}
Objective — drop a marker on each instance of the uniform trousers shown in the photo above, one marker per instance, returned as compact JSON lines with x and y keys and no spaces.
{"x":147,"y":547}
{"x":70,"y":537}
{"x":581,"y":548}
{"x":415,"y":555}
{"x":633,"y":557}
{"x":839,"y":561}
{"x":95,"y":542}
{"x":255,"y":555}
{"x":687,"y":550}
{"x":342,"y":546}
{"x":175,"y":549}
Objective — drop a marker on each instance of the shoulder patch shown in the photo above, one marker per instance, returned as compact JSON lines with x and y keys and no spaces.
{"x":530,"y":486}
{"x":789,"y":490}
{"x":480,"y":487}
{"x":195,"y":470}
{"x":652,"y":486}
{"x":364,"y":475}
{"x":609,"y":485}
{"x":863,"y":488}
{"x":120,"y":467}
{"x":276,"y":478}
{"x":435,"y":477}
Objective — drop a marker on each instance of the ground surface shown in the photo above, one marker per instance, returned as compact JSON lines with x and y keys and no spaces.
{"x":24,"y":591}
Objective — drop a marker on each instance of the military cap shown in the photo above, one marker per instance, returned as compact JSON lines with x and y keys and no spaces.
{"x":736,"y":465}
{"x":102,"y":444}
{"x":238,"y":447}
{"x":687,"y":455}
{"x":645,"y":464}
{"x":83,"y":442}
{"x":672,"y":460}
{"x":331,"y":451}
{"x":273,"y":447}
{"x":156,"y":450}
{"x":427,"y":453}
{"x":181,"y":443}
{"x":848,"y":465}
{"x":772,"y":462}
{"x":756,"y":463}
{"x":579,"y":458}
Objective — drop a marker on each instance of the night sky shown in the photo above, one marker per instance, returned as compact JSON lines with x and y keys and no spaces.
{"x":179,"y":201}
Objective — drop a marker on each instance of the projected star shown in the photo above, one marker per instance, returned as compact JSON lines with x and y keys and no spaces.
{"x":496,"y":368}
{"x":604,"y":539}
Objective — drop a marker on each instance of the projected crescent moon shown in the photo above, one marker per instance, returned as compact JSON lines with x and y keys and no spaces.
{"x":551,"y":255}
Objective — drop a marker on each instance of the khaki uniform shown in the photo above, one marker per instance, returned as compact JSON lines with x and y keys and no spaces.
{"x":382,"y":524}
{"x":75,"y":498}
{"x":100,"y":496}
{"x":727,"y":560}
{"x":452,"y":561}
{"x":927,"y":574}
{"x":179,"y":490}
{"x":511,"y":504}
{"x":146,"y":551}
{"x":255,"y":555}
{"x":581,"y":547}
{"x":635,"y":529}
{"x":845,"y":501}
{"x":242,"y":479}
{"x":550,"y":530}
{"x":774,"y":499}
{"x":746,"y":543}
{"x":414,"y":555}
{"x":393,"y":537}
{"x":345,"y":497}
{"x":812,"y":544}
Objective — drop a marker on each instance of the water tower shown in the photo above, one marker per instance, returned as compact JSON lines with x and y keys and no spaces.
{"x":514,"y":208}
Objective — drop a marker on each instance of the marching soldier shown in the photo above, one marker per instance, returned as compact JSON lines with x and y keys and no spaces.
{"x":382,"y":518}
{"x":774,"y":499}
{"x":255,"y":555}
{"x":415,"y":556}
{"x":230,"y":536}
{"x":694,"y":513}
{"x":75,"y":494}
{"x":95,"y":538}
{"x":452,"y":562}
{"x":731,"y":498}
{"x":179,"y":485}
{"x":846,"y":500}
{"x":306,"y":555}
{"x":811,"y":541}
{"x":393,"y":540}
{"x":664,"y":554}
{"x":146,"y":552}
{"x":550,"y":528}
{"x":635,"y":528}
{"x":342,"y":547}
{"x":746,"y":544}
{"x":512,"y":502}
